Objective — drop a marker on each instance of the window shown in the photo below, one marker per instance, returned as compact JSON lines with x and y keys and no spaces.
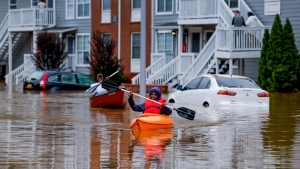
{"x":204,"y":83}
{"x":135,"y":45}
{"x":12,"y":4}
{"x":177,"y":6}
{"x":106,"y":5}
{"x":84,"y":79}
{"x":55,"y":78}
{"x":36,"y":75}
{"x":69,"y":9}
{"x":83,"y":8}
{"x":34,"y":3}
{"x":164,"y":6}
{"x":106,"y":36}
{"x":192,"y":84}
{"x":68,"y":78}
{"x":165,"y":42}
{"x":83,"y":48}
{"x":232,"y":3}
{"x":236,"y":82}
{"x":136,"y":4}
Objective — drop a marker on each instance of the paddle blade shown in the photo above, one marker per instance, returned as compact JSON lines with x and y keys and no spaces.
{"x":186,"y":113}
{"x":91,"y":89}
{"x":109,"y":85}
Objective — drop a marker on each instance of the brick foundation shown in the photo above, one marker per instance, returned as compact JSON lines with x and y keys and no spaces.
{"x":135,"y":88}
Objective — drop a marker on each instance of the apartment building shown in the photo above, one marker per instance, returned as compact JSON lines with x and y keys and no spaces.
{"x":120,"y":20}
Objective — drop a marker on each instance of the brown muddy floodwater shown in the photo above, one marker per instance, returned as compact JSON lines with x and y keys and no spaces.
{"x":60,"y":130}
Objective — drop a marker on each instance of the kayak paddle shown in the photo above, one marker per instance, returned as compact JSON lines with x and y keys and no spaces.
{"x":181,"y":111}
{"x":91,"y":89}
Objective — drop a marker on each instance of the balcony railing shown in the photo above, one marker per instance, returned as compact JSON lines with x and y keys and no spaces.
{"x":198,"y":9}
{"x":239,"y":38}
{"x":32,"y":17}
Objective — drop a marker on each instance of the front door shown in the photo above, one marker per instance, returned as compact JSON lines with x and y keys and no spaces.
{"x":195,"y":42}
{"x":71,"y":51}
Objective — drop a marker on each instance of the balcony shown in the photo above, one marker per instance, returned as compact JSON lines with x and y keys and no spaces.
{"x":198,"y":12}
{"x":31,"y":18}
{"x":239,"y":42}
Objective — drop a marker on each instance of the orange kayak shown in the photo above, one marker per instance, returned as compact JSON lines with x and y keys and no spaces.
{"x":150,"y":121}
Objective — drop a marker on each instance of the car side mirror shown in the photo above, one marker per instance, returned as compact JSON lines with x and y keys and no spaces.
{"x":179,"y":87}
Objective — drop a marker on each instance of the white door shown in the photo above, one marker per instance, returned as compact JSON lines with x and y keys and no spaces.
{"x":195,"y":42}
{"x":70,"y":47}
{"x":186,"y":94}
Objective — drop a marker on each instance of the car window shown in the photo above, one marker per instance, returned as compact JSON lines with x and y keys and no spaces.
{"x":68,"y":78}
{"x":208,"y":85}
{"x":192,"y":84}
{"x":236,"y":82}
{"x":55,"y":78}
{"x":85,"y":79}
{"x":36,"y":75}
{"x":204,"y":82}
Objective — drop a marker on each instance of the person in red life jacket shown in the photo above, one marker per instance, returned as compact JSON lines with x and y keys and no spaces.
{"x":149,"y":106}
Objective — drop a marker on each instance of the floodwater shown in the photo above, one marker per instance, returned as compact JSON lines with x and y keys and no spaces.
{"x":60,"y":130}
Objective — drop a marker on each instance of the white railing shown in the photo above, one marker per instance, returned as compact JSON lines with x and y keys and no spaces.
{"x":196,"y":9}
{"x":21,"y":77}
{"x":12,"y":76}
{"x":177,"y":66}
{"x":225,"y":13}
{"x":31,"y":17}
{"x":244,"y":9}
{"x":3,"y":30}
{"x":239,"y":38}
{"x":156,"y":56}
{"x":201,"y":60}
{"x":69,"y":62}
{"x":159,"y":62}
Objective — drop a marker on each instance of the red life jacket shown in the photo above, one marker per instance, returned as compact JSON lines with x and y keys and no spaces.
{"x":152,"y":107}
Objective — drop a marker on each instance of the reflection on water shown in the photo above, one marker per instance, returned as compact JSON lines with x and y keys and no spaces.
{"x":59,"y":130}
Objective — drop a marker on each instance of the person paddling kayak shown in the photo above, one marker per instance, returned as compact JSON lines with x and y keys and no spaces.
{"x":149,"y":106}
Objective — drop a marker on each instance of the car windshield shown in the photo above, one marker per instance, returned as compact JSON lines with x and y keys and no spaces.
{"x":36,"y":76}
{"x":236,"y":82}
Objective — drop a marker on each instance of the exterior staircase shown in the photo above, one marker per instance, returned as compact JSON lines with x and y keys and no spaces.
{"x":205,"y":62}
{"x":16,"y":21}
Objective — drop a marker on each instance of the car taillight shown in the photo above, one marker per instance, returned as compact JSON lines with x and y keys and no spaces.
{"x":227,"y":92}
{"x":263,"y":94}
{"x":43,"y":81}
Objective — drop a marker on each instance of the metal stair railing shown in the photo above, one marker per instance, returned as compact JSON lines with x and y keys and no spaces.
{"x":177,"y":66}
{"x":11,"y":77}
{"x":201,"y":60}
{"x":157,"y":65}
{"x":4,"y":31}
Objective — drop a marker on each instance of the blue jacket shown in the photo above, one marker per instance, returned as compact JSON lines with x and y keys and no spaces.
{"x":141,"y":107}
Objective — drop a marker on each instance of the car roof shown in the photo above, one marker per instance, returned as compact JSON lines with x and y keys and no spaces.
{"x":223,"y":76}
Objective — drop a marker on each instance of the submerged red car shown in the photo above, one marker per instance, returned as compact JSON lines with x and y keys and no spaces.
{"x":58,"y":80}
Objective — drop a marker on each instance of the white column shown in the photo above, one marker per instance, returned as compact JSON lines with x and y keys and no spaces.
{"x":180,"y":34}
{"x":217,"y":65}
{"x":230,"y":67}
{"x":10,"y":52}
{"x":34,"y":38}
{"x":119,"y":29}
{"x":143,"y":49}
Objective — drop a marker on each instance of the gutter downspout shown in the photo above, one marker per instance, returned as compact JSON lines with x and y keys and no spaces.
{"x":119,"y":30}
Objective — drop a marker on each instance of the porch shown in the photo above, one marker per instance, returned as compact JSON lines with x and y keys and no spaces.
{"x":29,"y":19}
{"x":222,"y":51}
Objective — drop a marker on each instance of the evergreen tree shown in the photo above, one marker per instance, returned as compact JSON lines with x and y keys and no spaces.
{"x":275,"y":53}
{"x":285,"y":74}
{"x":264,"y":73}
{"x":103,"y":59}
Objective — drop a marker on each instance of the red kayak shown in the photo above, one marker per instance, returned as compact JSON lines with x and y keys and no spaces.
{"x":117,"y":99}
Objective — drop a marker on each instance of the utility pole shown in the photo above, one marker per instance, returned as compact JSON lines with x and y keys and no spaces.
{"x":143,"y":49}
